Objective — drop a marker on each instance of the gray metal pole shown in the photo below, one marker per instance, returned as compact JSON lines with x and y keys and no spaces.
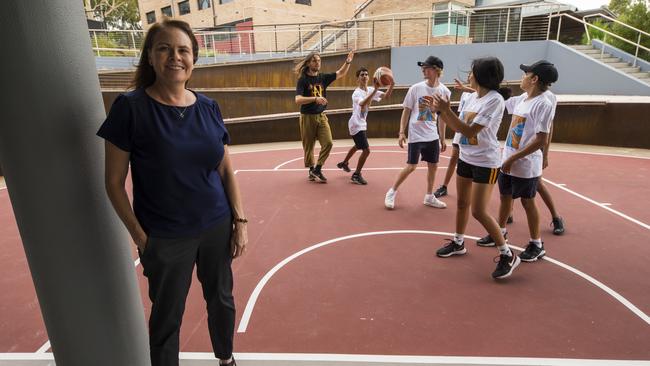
{"x":78,"y":253}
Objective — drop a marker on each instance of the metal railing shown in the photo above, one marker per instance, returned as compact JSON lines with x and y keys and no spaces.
{"x":638,"y":41}
{"x":453,"y":26}
{"x":606,"y":33}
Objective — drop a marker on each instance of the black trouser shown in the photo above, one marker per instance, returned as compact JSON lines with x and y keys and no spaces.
{"x":168,"y":265}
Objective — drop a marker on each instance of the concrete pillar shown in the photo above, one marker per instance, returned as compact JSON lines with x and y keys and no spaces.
{"x":78,"y":253}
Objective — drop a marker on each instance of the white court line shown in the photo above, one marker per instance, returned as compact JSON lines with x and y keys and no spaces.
{"x":326,"y":169}
{"x":250,"y":305}
{"x":44,"y":348}
{"x":601,"y":154}
{"x":552,"y":149}
{"x":321,"y":358}
{"x":605,"y":206}
{"x":345,"y":152}
{"x":47,"y":344}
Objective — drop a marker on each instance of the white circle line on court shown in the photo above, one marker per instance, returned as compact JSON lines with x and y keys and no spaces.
{"x":552,"y":149}
{"x":250,"y":305}
{"x":366,"y":359}
{"x":345,"y":152}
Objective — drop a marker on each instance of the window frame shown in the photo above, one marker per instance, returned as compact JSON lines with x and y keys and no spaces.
{"x":208,"y":4}
{"x":181,"y":5}
{"x":149,"y":19}
{"x":169,"y":8}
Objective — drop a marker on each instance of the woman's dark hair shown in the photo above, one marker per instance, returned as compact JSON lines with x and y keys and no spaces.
{"x":303,"y":65}
{"x":488,"y":72}
{"x":144,"y":72}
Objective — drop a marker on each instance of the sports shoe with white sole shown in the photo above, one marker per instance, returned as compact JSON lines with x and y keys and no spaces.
{"x":434,"y":202}
{"x":389,"y":201}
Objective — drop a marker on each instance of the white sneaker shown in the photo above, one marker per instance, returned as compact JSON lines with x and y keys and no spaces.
{"x":389,"y":201}
{"x":431,"y":200}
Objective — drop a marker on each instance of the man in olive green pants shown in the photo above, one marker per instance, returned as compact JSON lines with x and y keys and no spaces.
{"x":311,"y":91}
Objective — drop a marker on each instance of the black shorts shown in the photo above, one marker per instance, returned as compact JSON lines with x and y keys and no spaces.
{"x":430,"y":152}
{"x":517,"y":187}
{"x":360,"y":140}
{"x":477,"y":174}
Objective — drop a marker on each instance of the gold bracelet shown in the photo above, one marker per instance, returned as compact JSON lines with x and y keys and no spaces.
{"x":242,"y":220}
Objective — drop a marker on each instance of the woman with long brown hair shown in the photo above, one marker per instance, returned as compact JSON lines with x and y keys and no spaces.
{"x":187,"y":208}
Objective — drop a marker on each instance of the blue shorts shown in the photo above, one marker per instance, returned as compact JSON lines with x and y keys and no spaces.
{"x":430,"y":152}
{"x":360,"y":140}
{"x":517,"y":187}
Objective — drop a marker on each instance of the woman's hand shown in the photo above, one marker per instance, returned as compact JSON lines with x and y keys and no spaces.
{"x":140,"y":240}
{"x":506,"y":166}
{"x":238,"y":239}
{"x":440,"y":103}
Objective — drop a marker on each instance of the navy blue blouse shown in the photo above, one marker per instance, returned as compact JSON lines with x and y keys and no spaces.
{"x":177,"y":191}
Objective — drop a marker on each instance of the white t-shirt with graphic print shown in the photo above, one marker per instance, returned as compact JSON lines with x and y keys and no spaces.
{"x":483,"y":149}
{"x":357,"y":121}
{"x":423,"y":126}
{"x":529,"y":117}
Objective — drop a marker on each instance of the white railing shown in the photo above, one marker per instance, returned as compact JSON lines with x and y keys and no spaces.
{"x":471,"y":25}
{"x":605,"y":32}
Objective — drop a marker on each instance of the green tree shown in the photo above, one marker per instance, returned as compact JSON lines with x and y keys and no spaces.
{"x":117,"y":14}
{"x":636,"y":14}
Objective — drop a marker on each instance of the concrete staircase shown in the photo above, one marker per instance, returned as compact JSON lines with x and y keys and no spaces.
{"x":614,"y":61}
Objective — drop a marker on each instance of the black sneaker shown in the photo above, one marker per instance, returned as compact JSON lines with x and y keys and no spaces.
{"x":558,"y":226}
{"x":487,"y":241}
{"x":532,"y":252}
{"x":358,"y":179}
{"x":344,"y":166}
{"x":311,"y":176}
{"x":505,"y":265}
{"x":451,"y":248}
{"x":510,"y":220}
{"x":441,"y":191}
{"x":318,"y":176}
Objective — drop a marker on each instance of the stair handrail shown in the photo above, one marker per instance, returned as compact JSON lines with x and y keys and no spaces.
{"x":585,"y":23}
{"x":617,"y":21}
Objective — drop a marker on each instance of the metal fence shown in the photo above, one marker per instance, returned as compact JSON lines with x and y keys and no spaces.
{"x":452,"y":26}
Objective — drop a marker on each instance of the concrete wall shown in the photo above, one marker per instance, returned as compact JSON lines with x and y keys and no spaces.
{"x":643,"y":65}
{"x":579,"y":74}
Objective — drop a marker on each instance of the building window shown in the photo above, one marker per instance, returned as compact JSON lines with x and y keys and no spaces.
{"x":224,"y":1}
{"x":450,"y":19}
{"x":304,"y":2}
{"x":166,"y":11}
{"x":184,"y":7}
{"x":204,"y":4}
{"x":151,"y":17}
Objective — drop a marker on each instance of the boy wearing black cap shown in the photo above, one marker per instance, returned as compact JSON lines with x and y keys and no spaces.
{"x":424,"y":130}
{"x":522,"y":159}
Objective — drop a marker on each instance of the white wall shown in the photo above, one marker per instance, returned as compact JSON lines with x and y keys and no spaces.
{"x":579,"y":74}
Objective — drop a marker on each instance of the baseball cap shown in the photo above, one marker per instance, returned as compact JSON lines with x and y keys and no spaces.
{"x":545,"y":70}
{"x":431,"y":61}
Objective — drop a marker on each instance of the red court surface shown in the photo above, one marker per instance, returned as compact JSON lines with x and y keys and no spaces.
{"x":330,"y":271}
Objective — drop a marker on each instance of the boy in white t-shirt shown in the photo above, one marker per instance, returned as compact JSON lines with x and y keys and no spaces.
{"x":424,"y":130}
{"x":522,"y":158}
{"x":362,"y":97}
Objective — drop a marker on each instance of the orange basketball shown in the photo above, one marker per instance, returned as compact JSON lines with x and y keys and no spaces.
{"x":384,"y":75}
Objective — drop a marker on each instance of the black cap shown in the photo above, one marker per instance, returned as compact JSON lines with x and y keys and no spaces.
{"x":545,"y":70}
{"x":431,"y":61}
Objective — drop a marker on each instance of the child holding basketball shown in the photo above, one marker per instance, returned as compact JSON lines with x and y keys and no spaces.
{"x":424,"y":130}
{"x":362,"y":97}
